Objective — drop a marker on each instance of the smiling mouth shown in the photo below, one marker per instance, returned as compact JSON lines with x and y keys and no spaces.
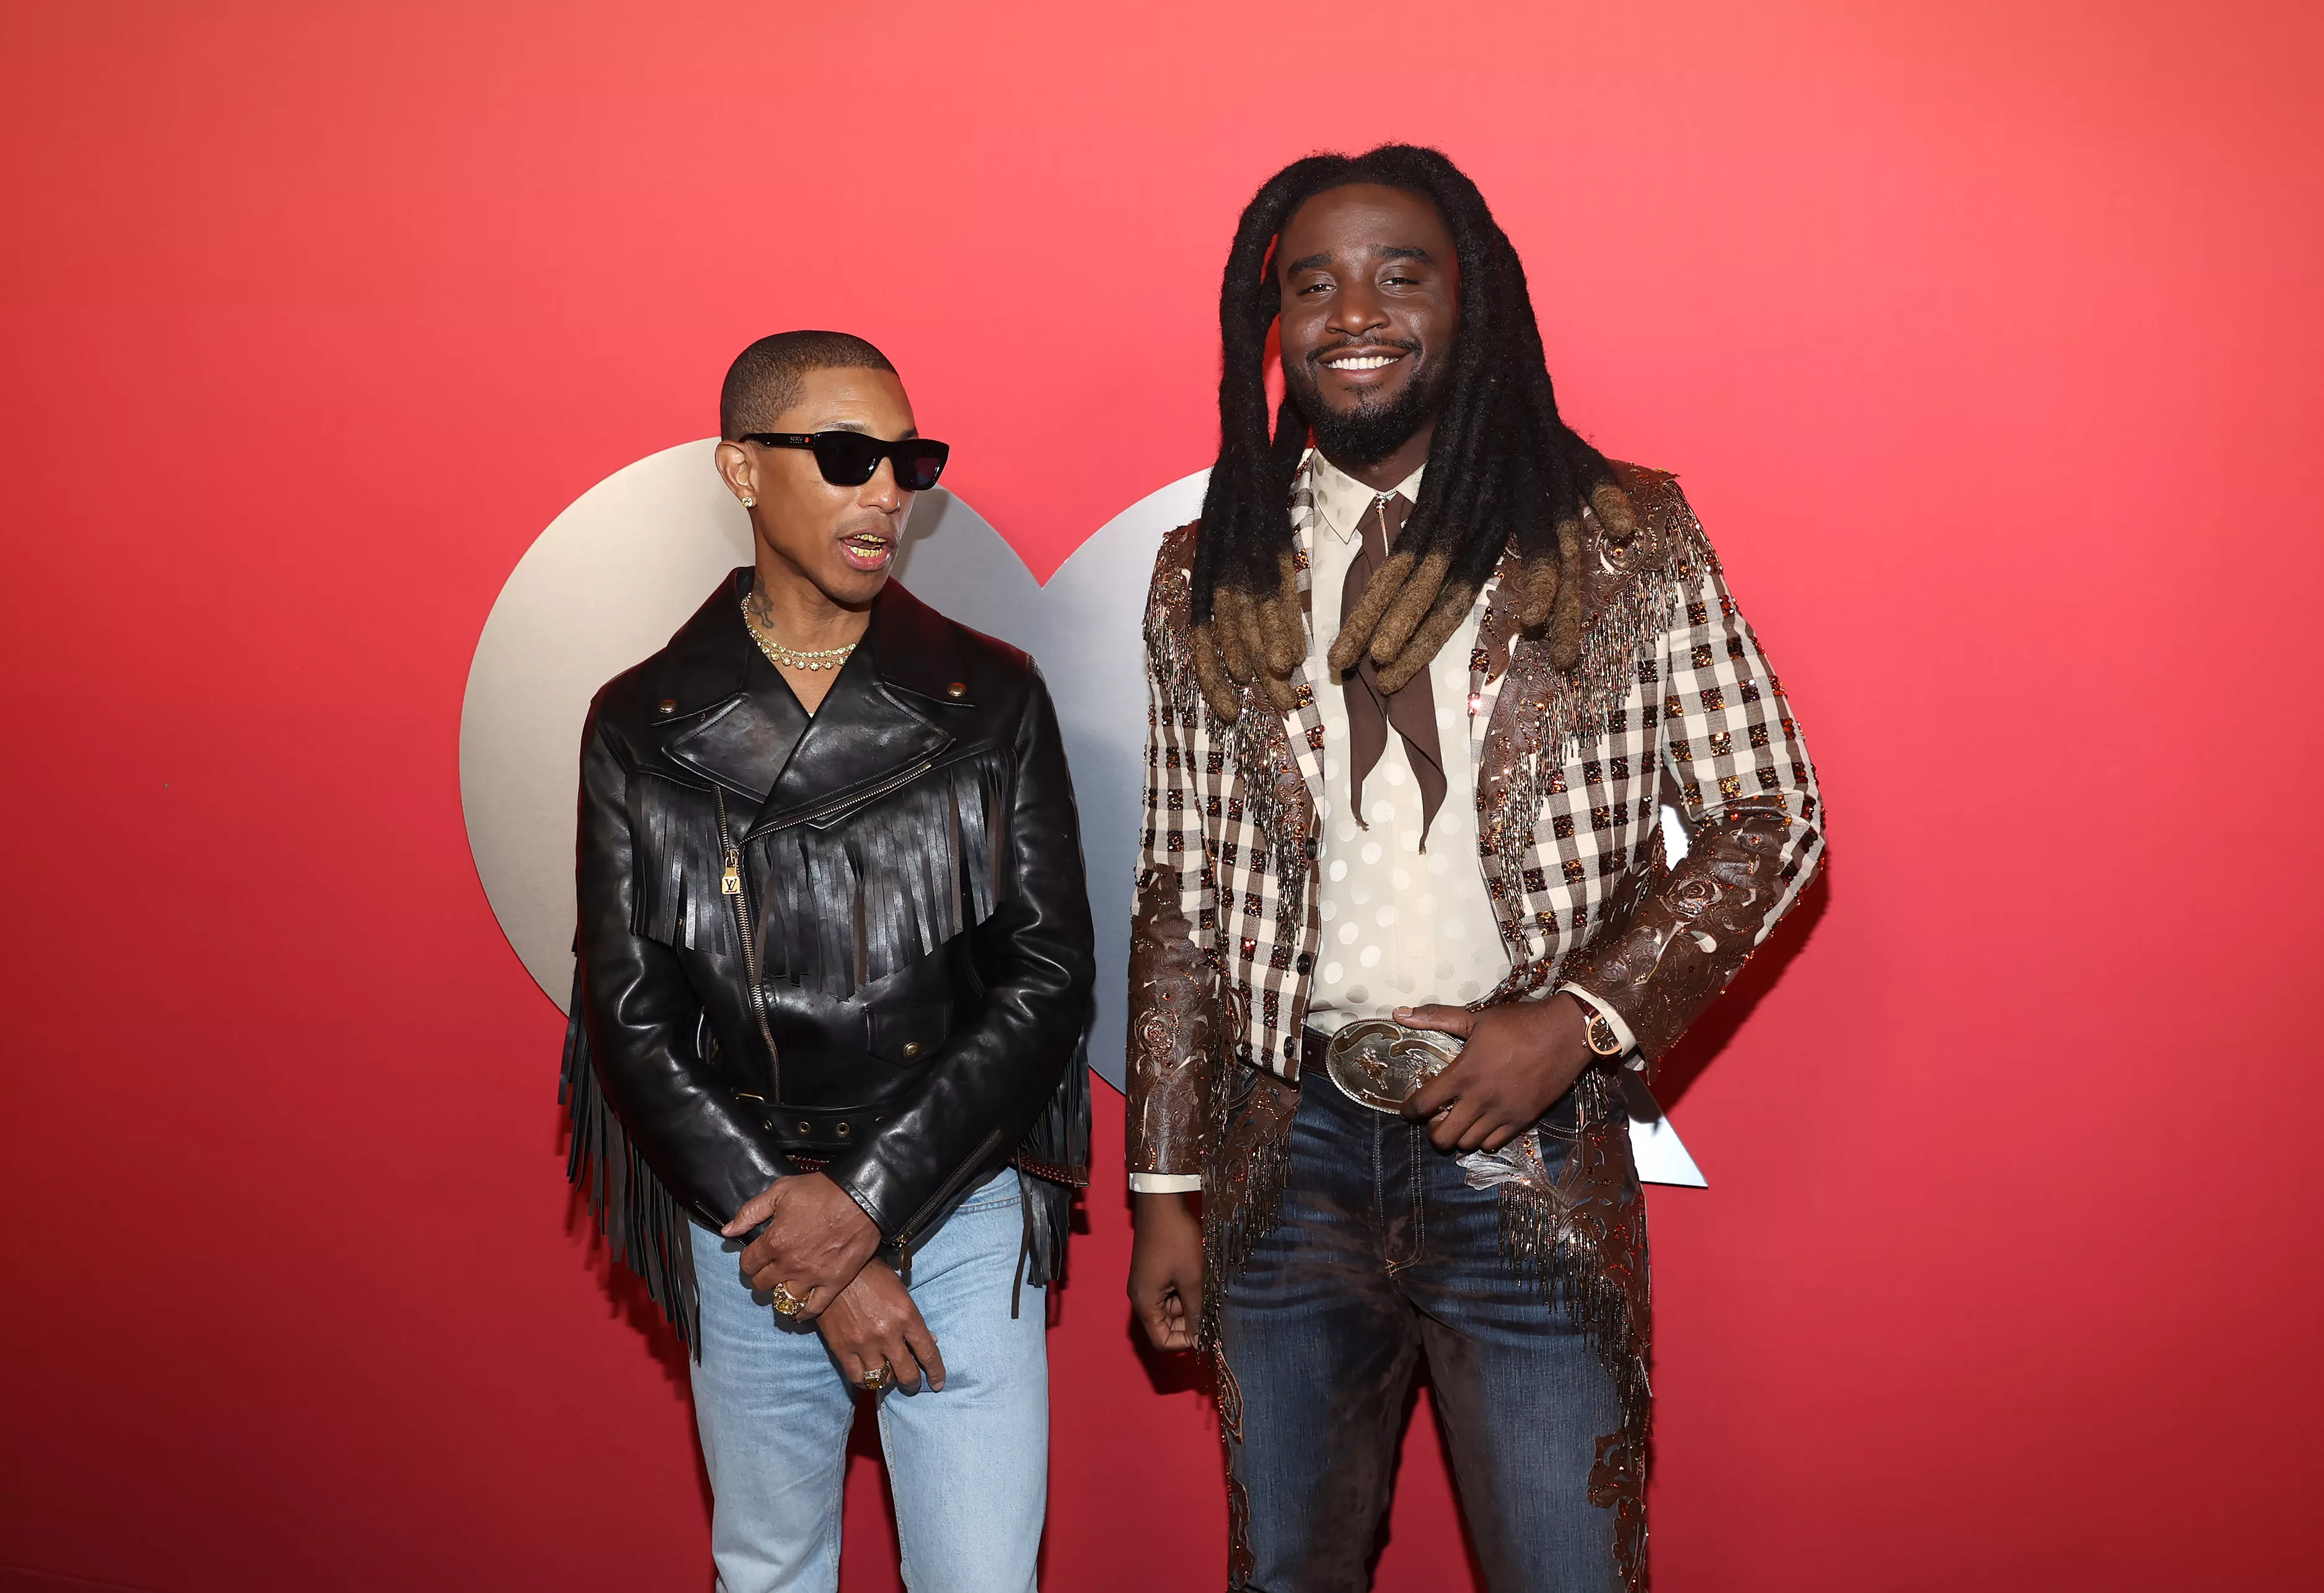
{"x":867,"y":550}
{"x":1356,"y":361}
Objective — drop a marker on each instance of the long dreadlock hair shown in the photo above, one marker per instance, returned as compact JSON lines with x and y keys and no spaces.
{"x":1504,"y":467}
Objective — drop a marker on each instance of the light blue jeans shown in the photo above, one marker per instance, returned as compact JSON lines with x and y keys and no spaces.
{"x":969,"y":1464}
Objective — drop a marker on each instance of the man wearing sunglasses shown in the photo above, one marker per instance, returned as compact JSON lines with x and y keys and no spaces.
{"x":834,"y":963}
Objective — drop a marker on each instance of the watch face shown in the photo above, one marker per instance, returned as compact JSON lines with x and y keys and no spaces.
{"x":1602,"y":1037}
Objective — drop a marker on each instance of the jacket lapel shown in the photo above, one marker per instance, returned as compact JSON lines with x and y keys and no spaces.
{"x":1303,"y":727}
{"x":871,"y":731}
{"x":721,"y":718}
{"x":741,"y":743}
{"x":731,"y":718}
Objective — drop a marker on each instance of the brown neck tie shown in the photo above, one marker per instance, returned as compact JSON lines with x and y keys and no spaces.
{"x":1413,"y":710}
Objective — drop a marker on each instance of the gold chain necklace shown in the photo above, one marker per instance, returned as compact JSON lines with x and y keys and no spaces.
{"x":791,"y":657}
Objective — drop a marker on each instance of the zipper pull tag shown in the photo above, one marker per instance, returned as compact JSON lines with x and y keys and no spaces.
{"x":730,"y":883}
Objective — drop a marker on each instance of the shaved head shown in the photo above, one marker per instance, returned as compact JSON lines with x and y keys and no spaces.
{"x":765,"y":377}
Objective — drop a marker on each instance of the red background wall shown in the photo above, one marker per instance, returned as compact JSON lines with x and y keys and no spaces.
{"x":1987,"y":335}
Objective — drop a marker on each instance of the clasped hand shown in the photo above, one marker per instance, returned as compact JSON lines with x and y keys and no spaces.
{"x":1517,"y":1062}
{"x":874,"y":1323}
{"x":816,"y":1240}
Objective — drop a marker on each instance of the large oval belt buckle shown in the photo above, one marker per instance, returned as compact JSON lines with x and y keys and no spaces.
{"x":1380,"y":1063}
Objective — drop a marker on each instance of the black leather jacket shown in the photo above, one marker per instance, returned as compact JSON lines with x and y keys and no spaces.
{"x":858,"y":941}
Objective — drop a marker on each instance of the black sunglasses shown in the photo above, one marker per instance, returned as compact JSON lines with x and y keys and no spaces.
{"x":849,"y":458}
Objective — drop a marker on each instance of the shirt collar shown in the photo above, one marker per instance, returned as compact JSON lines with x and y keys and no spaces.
{"x":1342,"y":502}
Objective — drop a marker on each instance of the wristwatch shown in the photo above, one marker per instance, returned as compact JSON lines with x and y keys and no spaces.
{"x":1603,"y":1040}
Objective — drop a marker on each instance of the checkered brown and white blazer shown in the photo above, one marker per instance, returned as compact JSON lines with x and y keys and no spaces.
{"x":1671,"y":700}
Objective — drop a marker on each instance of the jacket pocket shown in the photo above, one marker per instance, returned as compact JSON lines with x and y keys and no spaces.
{"x":908,"y":1032}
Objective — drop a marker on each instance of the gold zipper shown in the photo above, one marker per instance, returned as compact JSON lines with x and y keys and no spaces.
{"x":730,"y":885}
{"x":847,"y":799}
{"x":906,"y":1234}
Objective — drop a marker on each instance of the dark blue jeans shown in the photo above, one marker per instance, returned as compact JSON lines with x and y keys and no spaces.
{"x":1383,"y":1253}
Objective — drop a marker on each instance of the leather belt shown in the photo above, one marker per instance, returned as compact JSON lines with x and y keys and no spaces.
{"x":817,"y":1130}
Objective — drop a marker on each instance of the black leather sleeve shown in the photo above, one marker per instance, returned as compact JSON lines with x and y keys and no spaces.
{"x":642,"y":1015}
{"x":1035,"y":959}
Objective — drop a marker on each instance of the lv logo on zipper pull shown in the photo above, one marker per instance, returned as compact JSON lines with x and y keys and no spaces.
{"x":730,"y":883}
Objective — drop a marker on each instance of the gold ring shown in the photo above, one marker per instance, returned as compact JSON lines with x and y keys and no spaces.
{"x":878,"y":1376}
{"x":784,"y":1300}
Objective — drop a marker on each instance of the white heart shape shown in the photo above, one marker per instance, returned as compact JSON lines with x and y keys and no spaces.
{"x":621,"y":568}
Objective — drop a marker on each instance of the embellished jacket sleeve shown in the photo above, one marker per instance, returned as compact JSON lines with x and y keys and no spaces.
{"x":1035,"y":956}
{"x":641,"y":1018}
{"x":1171,"y":927}
{"x":1733,"y":760}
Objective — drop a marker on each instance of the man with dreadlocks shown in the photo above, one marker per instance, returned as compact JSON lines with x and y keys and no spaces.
{"x":1384,"y":989}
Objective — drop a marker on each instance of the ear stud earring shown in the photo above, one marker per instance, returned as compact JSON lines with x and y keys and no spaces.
{"x":749,"y":502}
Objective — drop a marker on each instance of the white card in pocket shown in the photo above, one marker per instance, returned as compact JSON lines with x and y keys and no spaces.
{"x":1653,"y":1144}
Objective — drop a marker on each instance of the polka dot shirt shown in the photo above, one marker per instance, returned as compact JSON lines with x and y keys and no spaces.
{"x":1401,"y":926}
